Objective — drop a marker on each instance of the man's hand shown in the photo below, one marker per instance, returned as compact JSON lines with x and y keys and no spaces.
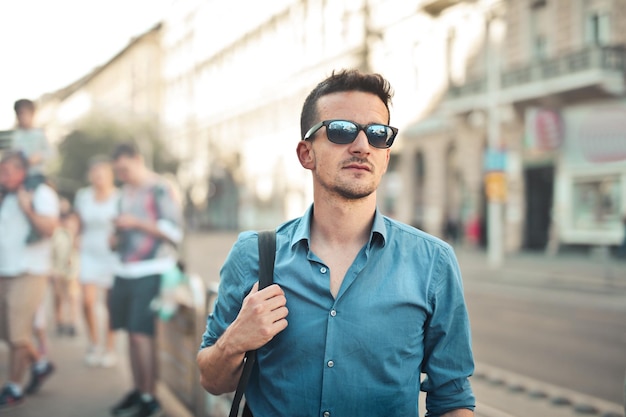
{"x":263,"y":315}
{"x":25,"y":200}
{"x":35,"y":159}
{"x":126,"y":222}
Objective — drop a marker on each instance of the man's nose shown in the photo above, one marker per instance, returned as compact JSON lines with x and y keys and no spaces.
{"x":360,"y":144}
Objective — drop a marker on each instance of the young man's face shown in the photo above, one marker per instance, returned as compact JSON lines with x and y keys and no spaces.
{"x":12,"y":175}
{"x":127,"y":168}
{"x":351,"y":171}
{"x":25,"y":118}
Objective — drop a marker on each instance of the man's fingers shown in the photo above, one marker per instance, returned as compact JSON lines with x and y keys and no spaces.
{"x":255,"y":288}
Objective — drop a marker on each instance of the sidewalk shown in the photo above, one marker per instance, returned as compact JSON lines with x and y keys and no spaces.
{"x":76,"y":390}
{"x":572,"y":271}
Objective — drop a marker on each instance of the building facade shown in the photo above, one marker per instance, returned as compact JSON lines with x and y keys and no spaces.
{"x":561,"y":98}
{"x":128,"y":88}
{"x":234,"y":92}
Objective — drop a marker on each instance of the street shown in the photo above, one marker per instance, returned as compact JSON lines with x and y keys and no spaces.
{"x":558,"y":321}
{"x":564,"y":338}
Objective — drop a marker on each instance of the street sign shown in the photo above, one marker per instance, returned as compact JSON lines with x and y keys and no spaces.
{"x":494,"y":160}
{"x":495,"y":186}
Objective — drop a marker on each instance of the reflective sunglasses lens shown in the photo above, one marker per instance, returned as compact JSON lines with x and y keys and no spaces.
{"x":342,"y":132}
{"x":377,"y":135}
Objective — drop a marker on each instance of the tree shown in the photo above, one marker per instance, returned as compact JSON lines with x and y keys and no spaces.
{"x":99,"y":136}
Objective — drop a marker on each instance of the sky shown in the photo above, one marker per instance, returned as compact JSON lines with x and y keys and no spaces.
{"x":46,"y":45}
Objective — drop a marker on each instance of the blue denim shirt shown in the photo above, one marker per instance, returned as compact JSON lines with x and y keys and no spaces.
{"x":400,"y":312}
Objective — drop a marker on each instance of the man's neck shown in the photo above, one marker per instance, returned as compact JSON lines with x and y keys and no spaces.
{"x":343,"y":222}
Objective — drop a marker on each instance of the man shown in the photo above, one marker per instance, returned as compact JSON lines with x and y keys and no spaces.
{"x":361,"y":305}
{"x":23,"y":272}
{"x":31,"y":141}
{"x":147,"y":228}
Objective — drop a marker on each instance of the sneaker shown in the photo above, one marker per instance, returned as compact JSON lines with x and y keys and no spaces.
{"x":150,"y":408}
{"x":9,"y":400}
{"x":128,"y":406}
{"x":108,"y":360}
{"x":92,"y":357}
{"x":38,"y":377}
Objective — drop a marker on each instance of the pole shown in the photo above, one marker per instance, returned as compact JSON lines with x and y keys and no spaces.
{"x":495,"y":252}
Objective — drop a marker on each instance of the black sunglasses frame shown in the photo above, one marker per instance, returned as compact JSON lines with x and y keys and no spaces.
{"x":387,"y":144}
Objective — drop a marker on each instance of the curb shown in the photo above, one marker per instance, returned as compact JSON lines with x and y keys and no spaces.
{"x":171,"y":405}
{"x":582,"y":404}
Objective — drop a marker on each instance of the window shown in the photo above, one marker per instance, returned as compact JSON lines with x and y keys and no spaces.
{"x":597,"y":28}
{"x":539,"y":29}
{"x":596,"y":203}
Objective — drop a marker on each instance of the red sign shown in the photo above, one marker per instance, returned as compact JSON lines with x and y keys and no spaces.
{"x":544,"y":129}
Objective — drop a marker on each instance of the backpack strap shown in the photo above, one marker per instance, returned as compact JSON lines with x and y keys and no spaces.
{"x":267,"y":255}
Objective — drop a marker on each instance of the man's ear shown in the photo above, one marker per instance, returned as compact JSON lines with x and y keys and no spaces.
{"x":305,"y":153}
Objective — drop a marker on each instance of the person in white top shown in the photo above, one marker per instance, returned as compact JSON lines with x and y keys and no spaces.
{"x":23,"y":271}
{"x":97,"y":207}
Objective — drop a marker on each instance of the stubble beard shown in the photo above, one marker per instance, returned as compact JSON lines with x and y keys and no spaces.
{"x":346,"y":189}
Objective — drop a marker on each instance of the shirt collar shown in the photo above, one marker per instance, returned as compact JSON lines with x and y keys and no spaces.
{"x":303,"y":230}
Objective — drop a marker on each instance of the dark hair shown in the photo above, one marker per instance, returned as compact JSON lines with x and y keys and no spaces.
{"x":17,"y":157}
{"x":24,"y":103}
{"x":125,"y":149}
{"x":345,"y":80}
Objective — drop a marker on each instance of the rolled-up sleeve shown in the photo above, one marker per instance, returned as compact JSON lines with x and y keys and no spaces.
{"x":448,"y":360}
{"x":233,"y":287}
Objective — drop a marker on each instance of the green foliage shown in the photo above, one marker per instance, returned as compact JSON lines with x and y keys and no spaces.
{"x":98,"y":137}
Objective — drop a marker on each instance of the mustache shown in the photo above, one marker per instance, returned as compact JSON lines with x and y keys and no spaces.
{"x":357,"y":160}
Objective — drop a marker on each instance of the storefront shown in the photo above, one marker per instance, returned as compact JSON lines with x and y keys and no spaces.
{"x":590,"y":188}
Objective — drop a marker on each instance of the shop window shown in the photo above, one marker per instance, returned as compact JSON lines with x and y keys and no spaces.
{"x":596,"y":203}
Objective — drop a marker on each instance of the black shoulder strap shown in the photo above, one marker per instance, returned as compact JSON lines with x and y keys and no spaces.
{"x":267,"y":255}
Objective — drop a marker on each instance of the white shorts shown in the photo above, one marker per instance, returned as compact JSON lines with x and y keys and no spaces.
{"x":97,"y":271}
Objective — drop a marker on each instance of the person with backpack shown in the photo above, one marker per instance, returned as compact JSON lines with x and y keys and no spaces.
{"x":147,"y":229}
{"x":24,"y":269}
{"x":361,"y":305}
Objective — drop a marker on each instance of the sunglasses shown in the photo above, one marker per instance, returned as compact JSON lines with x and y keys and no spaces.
{"x":343,"y":132}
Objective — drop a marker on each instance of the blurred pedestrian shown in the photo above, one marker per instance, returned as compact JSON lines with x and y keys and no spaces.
{"x":361,"y":304}
{"x":64,"y":277}
{"x":31,"y":141}
{"x":147,"y":229}
{"x":97,"y":207}
{"x":24,"y":268}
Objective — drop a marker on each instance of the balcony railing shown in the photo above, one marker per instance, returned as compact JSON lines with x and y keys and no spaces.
{"x":603,"y":58}
{"x":608,"y":58}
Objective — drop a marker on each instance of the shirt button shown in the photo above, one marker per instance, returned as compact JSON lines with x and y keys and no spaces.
{"x":326,"y":413}
{"x":323,"y":270}
{"x":333,"y":313}
{"x":330,"y":364}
